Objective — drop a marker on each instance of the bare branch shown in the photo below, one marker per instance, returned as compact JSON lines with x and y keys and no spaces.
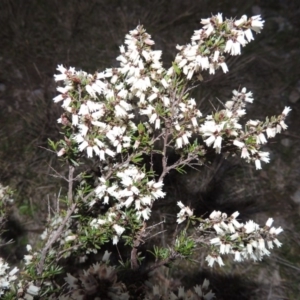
{"x":54,"y":238}
{"x":70,"y":184}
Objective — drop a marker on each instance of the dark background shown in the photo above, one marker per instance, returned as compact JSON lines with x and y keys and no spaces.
{"x":36,"y":35}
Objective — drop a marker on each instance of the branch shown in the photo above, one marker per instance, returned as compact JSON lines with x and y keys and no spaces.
{"x":53,"y":239}
{"x":136,"y":244}
{"x":70,"y":184}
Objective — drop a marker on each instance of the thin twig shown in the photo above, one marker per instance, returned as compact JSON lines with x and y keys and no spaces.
{"x":70,"y":181}
{"x":53,"y":239}
{"x":63,"y":251}
{"x":121,"y":259}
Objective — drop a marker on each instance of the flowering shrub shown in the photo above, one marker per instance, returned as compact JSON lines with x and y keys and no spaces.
{"x":120,"y":120}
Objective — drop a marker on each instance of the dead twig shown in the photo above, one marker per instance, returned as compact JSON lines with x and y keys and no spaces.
{"x":54,"y":238}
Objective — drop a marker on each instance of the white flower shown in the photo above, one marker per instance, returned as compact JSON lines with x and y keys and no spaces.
{"x":70,"y":238}
{"x":83,"y":145}
{"x":270,"y":244}
{"x":179,"y":142}
{"x":215,"y":215}
{"x":253,"y":123}
{"x":106,"y":256}
{"x":261,"y":139}
{"x":202,"y":61}
{"x":275,"y":231}
{"x":211,"y":260}
{"x":13,"y":272}
{"x":115,"y":240}
{"x":237,"y":256}
{"x":144,"y":213}
{"x":209,"y":29}
{"x":216,"y":55}
{"x":33,"y":290}
{"x":228,"y":46}
{"x":278,"y":230}
{"x":219,"y":18}
{"x":256,"y":23}
{"x":261,"y":244}
{"x":269,"y":222}
{"x":84,"y":110}
{"x":224,"y":67}
{"x":119,"y":229}
{"x":194,"y":122}
{"x":278,"y":244}
{"x":218,"y":144}
{"x":220,"y":261}
{"x":236,"y":224}
{"x":264,"y":156}
{"x":185,"y":138}
{"x":180,"y":204}
{"x":258,"y":164}
{"x":210,"y":140}
{"x":64,"y":89}
{"x":245,"y":153}
{"x":271,"y":132}
{"x":233,"y":47}
{"x":212,"y":69}
{"x":249,"y":35}
{"x":63,"y":75}
{"x":235,"y":214}
{"x":164,"y":83}
{"x":283,"y":125}
{"x":250,"y":226}
{"x":234,"y":236}
{"x":286,"y":110}
{"x":215,"y":241}
{"x":231,"y":228}
{"x":249,"y":248}
{"x":247,"y":96}
{"x":90,"y":90}
{"x":238,"y":143}
{"x":120,"y":111}
{"x":58,"y":98}
{"x":241,"y":21}
{"x":218,"y":229}
{"x":89,"y":151}
{"x":75,"y":120}
{"x":184,"y":213}
{"x":254,"y":243}
{"x":110,"y":152}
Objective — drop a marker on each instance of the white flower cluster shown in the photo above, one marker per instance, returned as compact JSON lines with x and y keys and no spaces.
{"x":100,"y":106}
{"x":87,"y":114}
{"x":244,"y":241}
{"x":185,"y":121}
{"x":224,"y":125}
{"x":100,"y":112}
{"x":6,"y":277}
{"x":185,"y":212}
{"x":218,"y":36}
{"x":29,"y":293}
{"x":131,"y":188}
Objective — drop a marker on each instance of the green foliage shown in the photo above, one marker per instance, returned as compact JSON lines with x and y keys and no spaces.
{"x":184,"y":245}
